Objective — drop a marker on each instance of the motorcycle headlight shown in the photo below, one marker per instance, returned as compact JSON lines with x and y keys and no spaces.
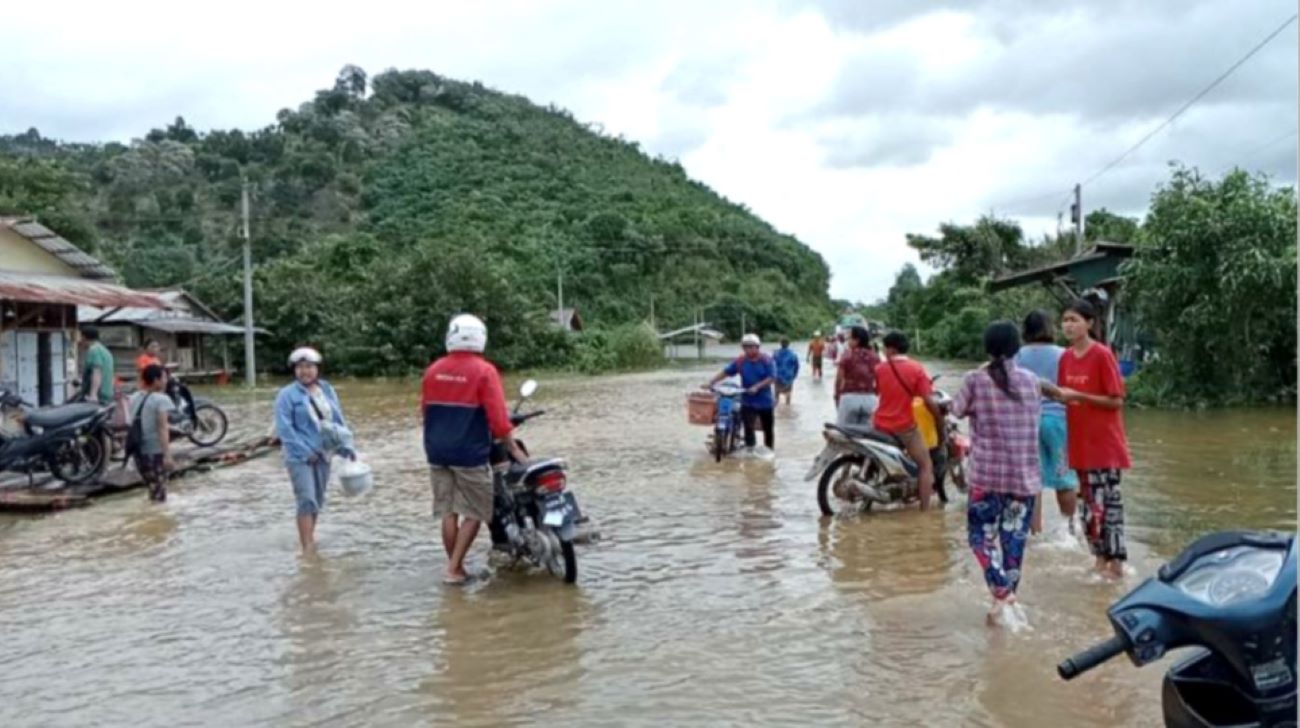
{"x":1231,"y":576}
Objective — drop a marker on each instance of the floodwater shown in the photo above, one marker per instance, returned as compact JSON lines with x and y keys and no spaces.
{"x":716,"y":596}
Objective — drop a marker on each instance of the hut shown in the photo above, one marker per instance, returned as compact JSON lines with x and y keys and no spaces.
{"x":43,"y":279}
{"x":1096,"y":275}
{"x":194,"y":339}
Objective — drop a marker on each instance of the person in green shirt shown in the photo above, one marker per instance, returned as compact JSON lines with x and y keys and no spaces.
{"x":97,"y":369}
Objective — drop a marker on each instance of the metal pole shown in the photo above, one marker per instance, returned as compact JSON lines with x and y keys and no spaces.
{"x":559,"y":298}
{"x":652,"y":312}
{"x":1078,"y":219}
{"x":250,"y":358}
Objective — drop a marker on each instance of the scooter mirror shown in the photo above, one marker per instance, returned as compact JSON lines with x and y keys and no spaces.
{"x":528,"y":388}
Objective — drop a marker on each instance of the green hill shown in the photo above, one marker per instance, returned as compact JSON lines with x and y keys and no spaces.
{"x":384,"y":206}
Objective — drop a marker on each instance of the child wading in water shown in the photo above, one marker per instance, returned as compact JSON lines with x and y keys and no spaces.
{"x":1002,"y":402}
{"x":1093,"y":391}
{"x":151,"y":406}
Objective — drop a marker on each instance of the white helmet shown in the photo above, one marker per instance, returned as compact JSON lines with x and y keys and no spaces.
{"x":466,"y":333}
{"x":750,"y":340}
{"x":305,"y":353}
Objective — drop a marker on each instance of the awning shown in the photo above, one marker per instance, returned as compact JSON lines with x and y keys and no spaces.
{"x":193,"y":326}
{"x":36,"y":288}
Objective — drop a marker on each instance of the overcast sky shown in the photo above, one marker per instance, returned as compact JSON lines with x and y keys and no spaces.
{"x":846,"y":123}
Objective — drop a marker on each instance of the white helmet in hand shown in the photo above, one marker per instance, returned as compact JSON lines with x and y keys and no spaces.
{"x":466,"y":333}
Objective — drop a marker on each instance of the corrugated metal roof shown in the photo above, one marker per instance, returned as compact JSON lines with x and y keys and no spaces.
{"x":54,"y":244}
{"x":77,"y":291}
{"x":194,"y":326}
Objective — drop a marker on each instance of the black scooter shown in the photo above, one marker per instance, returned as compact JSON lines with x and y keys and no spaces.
{"x":1232,"y":596}
{"x":70,"y":441}
{"x":534,"y":515}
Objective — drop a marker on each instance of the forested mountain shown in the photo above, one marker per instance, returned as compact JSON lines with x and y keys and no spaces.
{"x":385,"y":205}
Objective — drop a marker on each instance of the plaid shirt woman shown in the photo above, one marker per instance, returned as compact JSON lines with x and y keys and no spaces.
{"x":1002,"y":402}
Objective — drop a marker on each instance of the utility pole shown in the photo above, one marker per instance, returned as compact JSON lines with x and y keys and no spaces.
{"x":559,"y":298}
{"x":742,"y":324}
{"x":1076,"y":216}
{"x":250,"y":357}
{"x":652,"y":312}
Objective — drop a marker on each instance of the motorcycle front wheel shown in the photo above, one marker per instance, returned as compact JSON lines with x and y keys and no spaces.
{"x":720,"y":441}
{"x":81,"y":459}
{"x":209,"y":425}
{"x":835,"y":492}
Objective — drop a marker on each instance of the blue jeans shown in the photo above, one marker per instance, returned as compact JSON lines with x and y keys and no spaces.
{"x":309,"y":483}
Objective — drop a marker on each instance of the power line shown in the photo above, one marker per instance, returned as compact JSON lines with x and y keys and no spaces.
{"x":1222,"y":77}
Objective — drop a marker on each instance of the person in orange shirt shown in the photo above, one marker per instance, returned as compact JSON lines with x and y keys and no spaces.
{"x":148,"y":356}
{"x":816,"y":349}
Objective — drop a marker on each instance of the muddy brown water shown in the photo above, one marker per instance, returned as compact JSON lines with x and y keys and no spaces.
{"x":716,"y":596}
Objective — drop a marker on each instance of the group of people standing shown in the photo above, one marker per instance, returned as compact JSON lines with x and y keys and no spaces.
{"x":1042,"y":417}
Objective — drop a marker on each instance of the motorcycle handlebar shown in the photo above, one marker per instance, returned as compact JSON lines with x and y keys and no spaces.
{"x":1091,"y":657}
{"x":518,"y":419}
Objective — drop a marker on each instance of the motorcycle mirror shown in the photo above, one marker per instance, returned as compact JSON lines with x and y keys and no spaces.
{"x":528,"y":388}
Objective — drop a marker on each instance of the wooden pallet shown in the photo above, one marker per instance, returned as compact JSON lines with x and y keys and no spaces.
{"x":43,"y":493}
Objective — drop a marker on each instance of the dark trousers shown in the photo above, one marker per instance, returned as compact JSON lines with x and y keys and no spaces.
{"x":764,"y":416}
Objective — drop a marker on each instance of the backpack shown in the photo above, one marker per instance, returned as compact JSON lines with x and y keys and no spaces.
{"x":135,"y":435}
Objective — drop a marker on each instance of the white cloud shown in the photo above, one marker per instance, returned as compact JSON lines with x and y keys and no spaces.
{"x":847,"y":124}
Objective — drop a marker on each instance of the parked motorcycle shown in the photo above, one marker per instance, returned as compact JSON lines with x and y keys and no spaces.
{"x":71,"y":441}
{"x":1232,"y":597}
{"x":197,"y":418}
{"x":861,"y":466}
{"x":535,"y":516}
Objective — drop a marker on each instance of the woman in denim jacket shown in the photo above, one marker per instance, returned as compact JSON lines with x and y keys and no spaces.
{"x":309,"y":421}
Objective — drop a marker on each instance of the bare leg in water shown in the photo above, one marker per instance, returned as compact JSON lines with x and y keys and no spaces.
{"x":465,"y":536}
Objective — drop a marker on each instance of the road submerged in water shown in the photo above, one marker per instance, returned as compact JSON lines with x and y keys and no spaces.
{"x":716,"y":596}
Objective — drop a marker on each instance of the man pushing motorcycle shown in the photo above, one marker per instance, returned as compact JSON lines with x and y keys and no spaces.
{"x":757,"y":375}
{"x":464,"y":410}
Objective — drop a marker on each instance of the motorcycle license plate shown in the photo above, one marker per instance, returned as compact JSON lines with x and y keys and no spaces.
{"x":820,"y":463}
{"x":555,"y":512}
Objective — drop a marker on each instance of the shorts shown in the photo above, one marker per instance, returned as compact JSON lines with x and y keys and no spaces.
{"x":857,"y":408}
{"x":153,"y":473}
{"x":817,"y":363}
{"x":465,"y":492}
{"x":784,"y":387}
{"x":309,"y":483}
{"x":1051,"y":453}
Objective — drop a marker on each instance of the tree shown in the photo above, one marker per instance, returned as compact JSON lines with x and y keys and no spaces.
{"x":973,"y":252}
{"x":1216,"y":286}
{"x":1102,"y":224}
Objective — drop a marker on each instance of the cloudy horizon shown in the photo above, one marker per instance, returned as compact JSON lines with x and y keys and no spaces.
{"x":845,"y":124}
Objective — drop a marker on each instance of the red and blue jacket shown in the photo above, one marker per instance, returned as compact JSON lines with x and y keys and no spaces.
{"x":464,"y":410}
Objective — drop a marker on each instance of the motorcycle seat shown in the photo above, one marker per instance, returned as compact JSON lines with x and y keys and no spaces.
{"x":865,"y":433}
{"x":61,"y":415}
{"x":519,"y":471}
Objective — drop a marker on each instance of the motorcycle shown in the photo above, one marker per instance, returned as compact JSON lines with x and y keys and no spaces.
{"x":535,"y":516}
{"x":196,"y":418}
{"x":71,"y":441}
{"x":1232,"y":597}
{"x":861,"y":466}
{"x":727,"y":426}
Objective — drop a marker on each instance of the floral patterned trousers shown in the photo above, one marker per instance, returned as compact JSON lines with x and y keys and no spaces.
{"x":998,"y":529}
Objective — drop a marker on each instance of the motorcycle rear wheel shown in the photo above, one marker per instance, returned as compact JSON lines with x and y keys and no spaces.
{"x":826,"y":498}
{"x":209,"y":426}
{"x":570,"y":561}
{"x":82,"y":459}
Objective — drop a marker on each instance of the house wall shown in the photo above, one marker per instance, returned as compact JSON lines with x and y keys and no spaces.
{"x":20,"y":254}
{"x":39,"y":356}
